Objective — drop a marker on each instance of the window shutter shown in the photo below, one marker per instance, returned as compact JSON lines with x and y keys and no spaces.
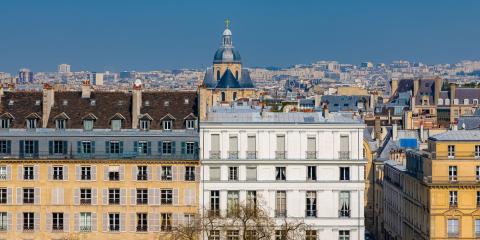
{"x":151,"y":196}
{"x":121,"y":147}
{"x":160,"y":147}
{"x":76,"y":196}
{"x":65,"y":147}
{"x":37,"y":196}
{"x":184,"y":147}
{"x":48,"y":222}
{"x":50,"y":173}
{"x":251,"y":144}
{"x":61,"y":194}
{"x":149,"y":173}
{"x":157,"y":197}
{"x":35,"y":147}
{"x":94,"y":221}
{"x":19,"y":222}
{"x":174,"y":149}
{"x":233,"y":143}
{"x":9,"y":147}
{"x":135,"y":147}
{"x":344,"y":143}
{"x":78,"y":172}
{"x":122,"y":222}
{"x":123,"y":196}
{"x":149,"y":148}
{"x":107,"y":147}
{"x":105,"y":196}
{"x":215,"y":139}
{"x":132,"y":225}
{"x":133,"y":196}
{"x":105,"y":173}
{"x":9,"y":222}
{"x":19,"y":196}
{"x":50,"y":147}
{"x":21,"y":149}
{"x":122,"y":172}
{"x":54,"y":196}
{"x":20,"y":172}
{"x":65,"y":172}
{"x":94,"y":172}
{"x":311,"y":144}
{"x":9,"y":196}
{"x":93,"y":146}
{"x":181,"y":173}
{"x":175,"y":196}
{"x":175,"y":173}
{"x":35,"y":172}
{"x":94,"y":196}
{"x":175,"y":218}
{"x":36,"y":221}
{"x":159,"y":173}
{"x":105,"y":222}
{"x":66,"y":222}
{"x":186,"y":196}
{"x":195,"y":148}
{"x":9,"y":172}
{"x":79,"y":147}
{"x":281,"y":143}
{"x":151,"y":220}
{"x":134,"y":173}
{"x":76,"y":222}
{"x":197,"y":173}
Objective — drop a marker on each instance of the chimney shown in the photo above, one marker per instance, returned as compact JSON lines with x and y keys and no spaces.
{"x":416,"y":86}
{"x":438,"y":88}
{"x":1,"y":92}
{"x":394,"y":132}
{"x":136,"y":102}
{"x":421,"y":133}
{"x":86,"y":89}
{"x":453,"y":91}
{"x":47,"y":103}
{"x":326,"y":112}
{"x":377,"y":129}
{"x":318,"y":99}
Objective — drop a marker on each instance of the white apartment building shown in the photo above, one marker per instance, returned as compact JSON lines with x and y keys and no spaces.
{"x":300,"y":165}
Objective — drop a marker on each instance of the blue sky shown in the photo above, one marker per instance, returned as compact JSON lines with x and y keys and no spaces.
{"x":149,"y":35}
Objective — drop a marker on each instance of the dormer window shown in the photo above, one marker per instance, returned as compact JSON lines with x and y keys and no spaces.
{"x":186,"y":101}
{"x":32,"y":123}
{"x":88,"y":125}
{"x":37,"y":103}
{"x":167,"y":124}
{"x":147,"y":103}
{"x":116,"y":125}
{"x":145,"y":124}
{"x":166,"y":103}
{"x":65,"y":102}
{"x":4,"y":123}
{"x":10,"y":103}
{"x":93,"y":102}
{"x":60,"y":123}
{"x":190,"y":124}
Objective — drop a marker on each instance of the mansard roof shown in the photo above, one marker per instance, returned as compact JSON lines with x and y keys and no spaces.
{"x":21,"y":104}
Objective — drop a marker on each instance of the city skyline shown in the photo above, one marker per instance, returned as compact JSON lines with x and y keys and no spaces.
{"x":125,"y":36}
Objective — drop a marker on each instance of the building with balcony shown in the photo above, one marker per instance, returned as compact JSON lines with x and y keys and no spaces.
{"x":97,"y":165}
{"x":301,"y":166}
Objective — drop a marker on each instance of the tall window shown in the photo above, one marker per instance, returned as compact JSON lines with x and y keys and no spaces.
{"x":311,"y":148}
{"x":88,"y":125}
{"x":166,"y":196}
{"x":167,"y":173}
{"x":344,"y":204}
{"x":85,"y":222}
{"x":189,"y":173}
{"x":5,"y":146}
{"x":251,"y":147}
{"x":86,"y":173}
{"x":114,"y":173}
{"x":57,"y":221}
{"x":142,"y":196}
{"x":144,"y":124}
{"x":344,"y":235}
{"x":168,"y":147}
{"x":453,"y":200}
{"x":28,"y":195}
{"x":223,"y":97}
{"x":233,"y":173}
{"x":281,"y":173}
{"x":233,"y":201}
{"x":252,"y":199}
{"x":28,"y":173}
{"x":3,"y":172}
{"x":57,"y":173}
{"x":31,"y":123}
{"x":477,"y":227}
{"x":60,"y":123}
{"x":190,"y":124}
{"x":344,"y":173}
{"x":114,"y":222}
{"x":251,"y":173}
{"x":114,"y":196}
{"x":280,"y":153}
{"x":28,"y":221}
{"x":451,"y":151}
{"x":214,"y":235}
{"x":311,"y":204}
{"x":233,"y":235}
{"x":190,"y":148}
{"x":215,"y":148}
{"x":142,"y":222}
{"x":166,"y":221}
{"x":115,"y":147}
{"x":311,"y":235}
{"x":477,"y":173}
{"x":312,"y":173}
{"x":142,"y":173}
{"x":214,"y":173}
{"x":167,"y":125}
{"x":233,"y":147}
{"x":85,"y":196}
{"x":143,"y":147}
{"x":4,"y":123}
{"x":452,"y":228}
{"x":477,"y":151}
{"x":478,"y":199}
{"x":344,"y":147}
{"x":215,"y":203}
{"x":281,"y":235}
{"x":452,"y":173}
{"x":281,"y":204}
{"x":3,"y":196}
{"x":3,"y":221}
{"x":86,"y":147}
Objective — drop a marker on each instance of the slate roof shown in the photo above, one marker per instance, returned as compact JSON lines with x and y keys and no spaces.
{"x":20,"y":105}
{"x":228,"y":80}
{"x":470,"y":122}
{"x":245,"y":81}
{"x":458,"y":135}
{"x":344,"y":103}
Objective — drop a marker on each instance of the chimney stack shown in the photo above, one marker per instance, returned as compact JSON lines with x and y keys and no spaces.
{"x":394,"y":132}
{"x":136,"y":102}
{"x":47,"y":103}
{"x":453,"y":91}
{"x":86,"y":89}
{"x":377,"y":129}
{"x":326,"y":112}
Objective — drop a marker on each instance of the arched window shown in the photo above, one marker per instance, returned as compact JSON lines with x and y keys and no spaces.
{"x":218,"y":75}
{"x":223,"y":96}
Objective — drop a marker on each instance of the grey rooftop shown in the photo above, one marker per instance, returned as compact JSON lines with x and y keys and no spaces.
{"x":458,"y":135}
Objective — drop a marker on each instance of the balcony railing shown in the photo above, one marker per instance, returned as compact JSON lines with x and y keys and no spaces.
{"x":311,"y":213}
{"x":214,"y":213}
{"x":453,"y":204}
{"x":280,"y":154}
{"x":85,"y":201}
{"x":102,"y":155}
{"x":142,"y":177}
{"x":344,"y":155}
{"x":214,"y":154}
{"x":251,"y":154}
{"x":142,"y":228}
{"x":280,"y":212}
{"x":85,"y":228}
{"x":344,"y":213}
{"x":142,"y":201}
{"x":3,"y":176}
{"x":232,"y":154}
{"x":457,"y":155}
{"x":311,"y":154}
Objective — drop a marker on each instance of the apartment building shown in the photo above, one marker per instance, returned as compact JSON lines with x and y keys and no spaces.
{"x":97,"y":165}
{"x":300,"y":166}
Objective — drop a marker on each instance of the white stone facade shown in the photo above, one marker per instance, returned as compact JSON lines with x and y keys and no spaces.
{"x":283,"y":158}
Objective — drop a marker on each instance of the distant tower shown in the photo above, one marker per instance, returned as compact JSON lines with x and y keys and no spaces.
{"x":63,"y":68}
{"x":25,"y":76}
{"x":96,"y":78}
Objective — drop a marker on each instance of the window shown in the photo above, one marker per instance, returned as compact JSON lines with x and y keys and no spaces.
{"x":3,"y":173}
{"x":144,"y":125}
{"x":116,"y":125}
{"x":166,"y":103}
{"x":114,"y":196}
{"x":3,"y":196}
{"x":114,"y":222}
{"x":166,"y":221}
{"x":312,"y":173}
{"x":233,"y":147}
{"x":477,"y":151}
{"x":233,"y":235}
{"x":233,"y":201}
{"x":5,"y":147}
{"x":114,"y":173}
{"x":215,"y":203}
{"x":344,"y":147}
{"x":235,"y":93}
{"x":214,"y":235}
{"x":189,"y":173}
{"x":452,"y":228}
{"x":344,"y":235}
{"x":189,"y":220}
{"x":477,"y":173}
{"x":166,"y":173}
{"x":310,"y":235}
{"x":451,"y":151}
{"x":142,"y":173}
{"x":115,"y":147}
{"x":280,"y":153}
{"x":60,"y":123}
{"x":142,"y":196}
{"x":453,"y":199}
{"x":251,"y":173}
{"x":87,"y":125}
{"x":168,"y":147}
{"x":31,"y":123}
{"x":311,"y":204}
{"x":190,"y":124}
{"x":3,"y":221}
{"x":186,"y":101}
{"x":85,"y":196}
{"x":190,"y":148}
{"x":142,"y":222}
{"x":214,"y":173}
{"x":28,"y":195}
{"x":167,"y":124}
{"x":251,"y":147}
{"x":281,"y":204}
{"x":166,"y":196}
{"x":280,"y":235}
{"x":452,"y":173}
{"x":477,"y":227}
{"x":252,"y":199}
{"x":311,"y":148}
{"x":233,"y":173}
{"x":143,"y":147}
{"x":86,"y":147}
{"x":28,"y":173}
{"x":57,"y":221}
{"x":28,"y":221}
{"x":280,"y":173}
{"x":215,"y":148}
{"x":478,"y":199}
{"x":57,"y":147}
{"x":4,"y":123}
{"x":85,"y":222}
{"x":344,"y":198}
{"x":344,"y":173}
{"x":57,"y":172}
{"x":30,"y":148}
{"x":223,"y":97}
{"x":86,"y":173}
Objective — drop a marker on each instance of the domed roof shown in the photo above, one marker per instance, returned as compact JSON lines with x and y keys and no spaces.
{"x":227,"y":55}
{"x":227,"y":32}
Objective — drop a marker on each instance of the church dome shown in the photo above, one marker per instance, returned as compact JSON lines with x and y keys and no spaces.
{"x":227,"y":55}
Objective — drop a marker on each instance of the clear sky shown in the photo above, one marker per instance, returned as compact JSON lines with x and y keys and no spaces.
{"x":117,"y":35}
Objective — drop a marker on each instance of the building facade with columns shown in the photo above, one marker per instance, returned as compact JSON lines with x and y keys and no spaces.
{"x":301,"y":166}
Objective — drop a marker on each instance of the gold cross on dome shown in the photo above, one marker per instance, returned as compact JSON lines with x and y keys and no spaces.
{"x":227,"y":23}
